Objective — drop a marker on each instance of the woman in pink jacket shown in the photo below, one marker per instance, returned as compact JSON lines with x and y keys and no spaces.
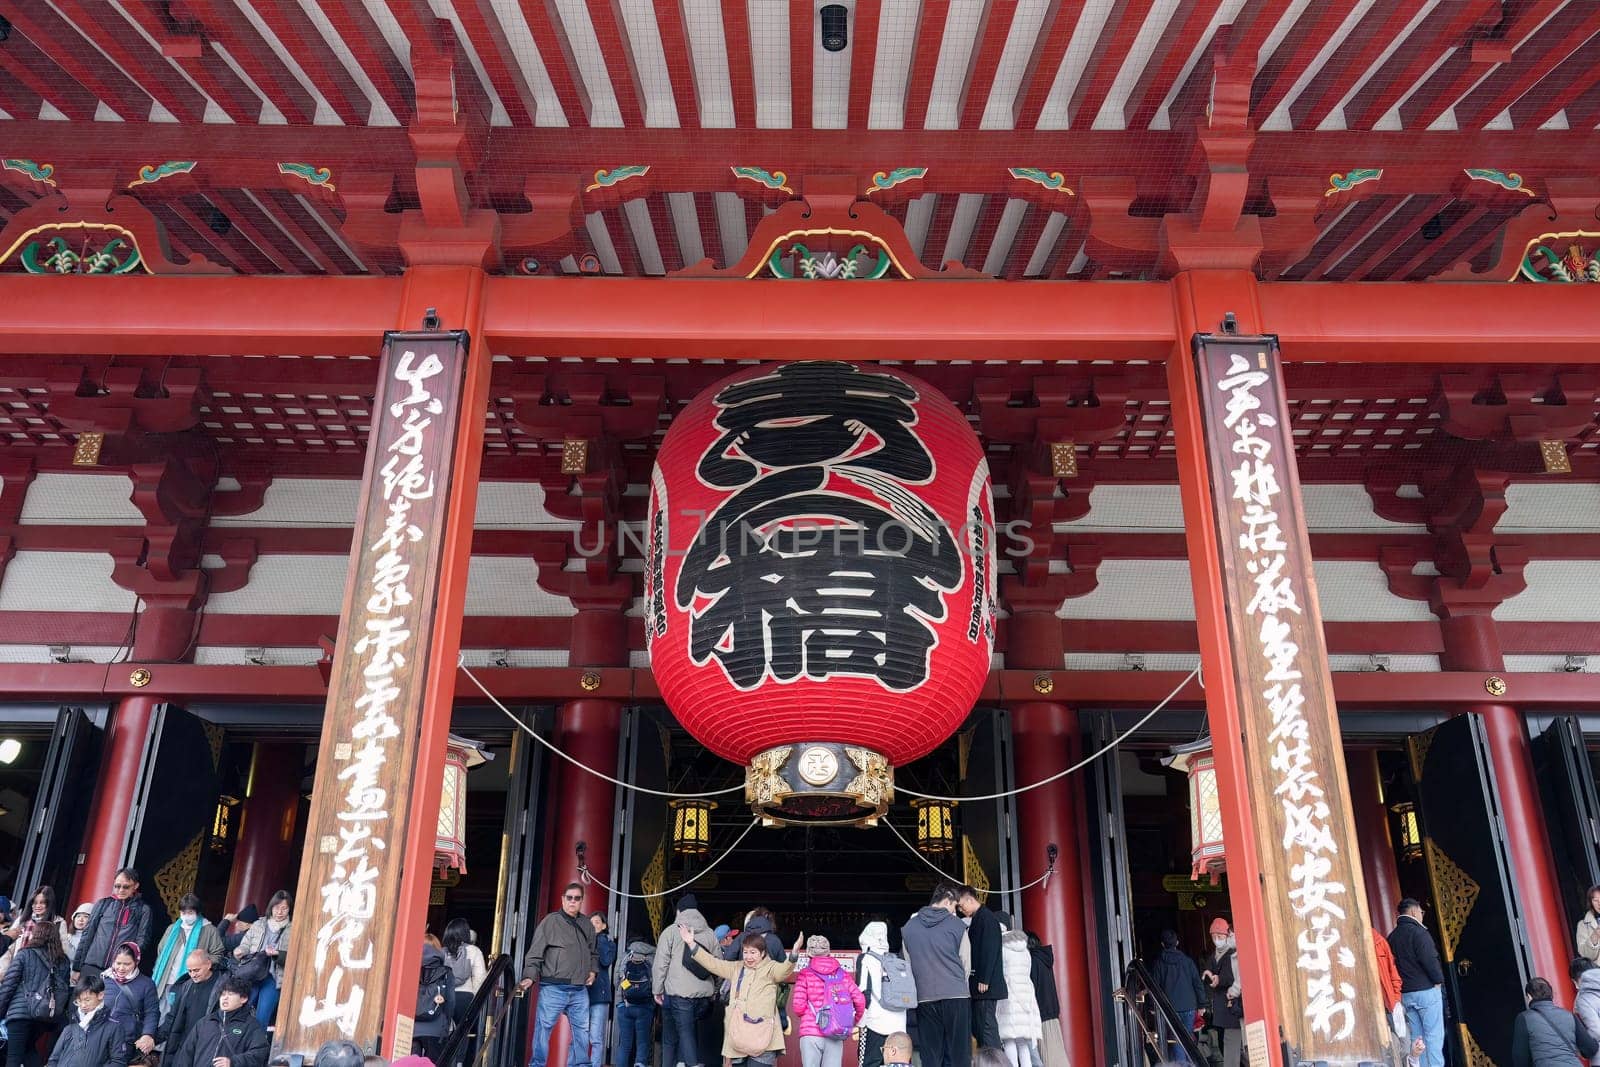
{"x":826,"y":1006}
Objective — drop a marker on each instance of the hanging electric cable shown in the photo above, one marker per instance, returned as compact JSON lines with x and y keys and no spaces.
{"x":531,"y":732}
{"x":587,"y":877}
{"x":1129,"y":732}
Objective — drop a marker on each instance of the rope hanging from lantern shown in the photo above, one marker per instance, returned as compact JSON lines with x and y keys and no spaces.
{"x":1043,"y":879}
{"x":1129,"y":732}
{"x":531,"y":732}
{"x":587,"y":877}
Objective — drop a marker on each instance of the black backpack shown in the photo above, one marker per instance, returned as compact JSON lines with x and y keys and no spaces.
{"x":437,"y":981}
{"x":636,"y":982}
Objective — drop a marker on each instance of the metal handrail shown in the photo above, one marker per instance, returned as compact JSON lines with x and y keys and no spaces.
{"x":499,"y":986}
{"x":1139,"y":992}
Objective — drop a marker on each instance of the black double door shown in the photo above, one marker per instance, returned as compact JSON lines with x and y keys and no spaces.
{"x":61,"y":804}
{"x":1572,"y":813}
{"x":1477,"y":913}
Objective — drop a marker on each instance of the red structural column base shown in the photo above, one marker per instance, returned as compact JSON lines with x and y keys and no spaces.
{"x":1045,"y":742}
{"x":1471,"y":644}
{"x":1378,"y":868}
{"x":114,"y":792}
{"x":263,"y":856}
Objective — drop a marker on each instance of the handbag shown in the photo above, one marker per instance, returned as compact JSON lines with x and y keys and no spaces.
{"x":691,"y":966}
{"x":253,"y":968}
{"x":747,"y":1036}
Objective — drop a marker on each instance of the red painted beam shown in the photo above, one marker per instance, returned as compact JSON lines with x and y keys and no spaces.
{"x":555,"y":48}
{"x":227,"y":24}
{"x":164,"y":316}
{"x":1531,"y":64}
{"x":43,"y":76}
{"x":926,"y":43}
{"x":1576,"y":75}
{"x":1361,"y":48}
{"x":366,"y":42}
{"x":984,"y":63}
{"x":681,"y":70}
{"x":1470,"y":63}
{"x":1355,"y":691}
{"x":741,"y":74}
{"x":1044,"y":61}
{"x":499,"y":61}
{"x":1446,"y":26}
{"x":863,"y":64}
{"x":1302,"y":43}
{"x":18,"y":101}
{"x":295,"y":30}
{"x":1178,"y":42}
{"x":802,"y":42}
{"x":1108,"y":55}
{"x":81,"y":59}
{"x":611,"y":33}
{"x":154,"y":73}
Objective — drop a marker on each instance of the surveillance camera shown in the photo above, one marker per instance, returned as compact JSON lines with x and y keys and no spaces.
{"x":835,"y":22}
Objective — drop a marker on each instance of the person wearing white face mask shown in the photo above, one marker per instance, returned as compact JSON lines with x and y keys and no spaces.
{"x":1222,"y":976}
{"x":186,"y":935}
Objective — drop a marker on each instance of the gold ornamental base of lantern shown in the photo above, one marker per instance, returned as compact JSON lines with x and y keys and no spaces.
{"x":819,"y":783}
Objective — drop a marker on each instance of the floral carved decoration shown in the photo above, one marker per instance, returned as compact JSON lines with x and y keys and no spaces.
{"x":1542,"y":261}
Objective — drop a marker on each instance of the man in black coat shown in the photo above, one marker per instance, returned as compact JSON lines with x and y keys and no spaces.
{"x":988,"y":981}
{"x":1548,"y":1036}
{"x":1178,"y":979}
{"x":230,"y":1031}
{"x":1421,"y":981}
{"x":89,"y":1038}
{"x":115,"y":920}
{"x":193,"y":998}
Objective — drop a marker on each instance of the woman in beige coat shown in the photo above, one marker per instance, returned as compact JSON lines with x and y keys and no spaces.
{"x":754,"y":983}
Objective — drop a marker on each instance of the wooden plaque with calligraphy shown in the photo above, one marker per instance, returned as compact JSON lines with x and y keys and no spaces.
{"x":1319,"y":933}
{"x":342,"y":939}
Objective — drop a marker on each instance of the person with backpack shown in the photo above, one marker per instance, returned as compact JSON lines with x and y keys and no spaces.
{"x":826,"y":1006}
{"x":90,"y":1038}
{"x":33,"y":993}
{"x":1548,"y":1036}
{"x":436,"y":997}
{"x":636,"y":1006}
{"x":683,"y":987}
{"x":229,"y":1032}
{"x":752,"y":1036}
{"x":889,"y":989}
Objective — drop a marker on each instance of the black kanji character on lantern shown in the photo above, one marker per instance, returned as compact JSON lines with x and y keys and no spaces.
{"x":802,"y":578}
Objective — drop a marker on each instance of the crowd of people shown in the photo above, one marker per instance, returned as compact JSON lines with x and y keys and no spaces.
{"x":727,"y":996}
{"x":74,"y":991}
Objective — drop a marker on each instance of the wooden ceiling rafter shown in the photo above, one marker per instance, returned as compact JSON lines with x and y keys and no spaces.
{"x":1044,"y":61}
{"x":616,"y":53}
{"x":927,"y":42}
{"x":78,"y":57}
{"x":1401,"y":228}
{"x":1105,"y":63}
{"x":297,"y":33}
{"x":499,"y":61}
{"x":802,"y":60}
{"x":226,"y":24}
{"x":1176,"y":44}
{"x":111,"y":33}
{"x":17,"y":99}
{"x":261,"y":232}
{"x":1529,"y":65}
{"x":684,"y":76}
{"x":864,"y":64}
{"x":555,"y":49}
{"x":373,"y":54}
{"x":741,"y":64}
{"x":1302,"y":43}
{"x":1350,"y":62}
{"x":1029,"y":234}
{"x":1446,"y":242}
{"x":1446,"y":24}
{"x":1569,"y":81}
{"x":46,"y":78}
{"x":983,"y":63}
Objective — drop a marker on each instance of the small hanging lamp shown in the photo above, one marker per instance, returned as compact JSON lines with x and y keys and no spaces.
{"x":1410,"y":830}
{"x":691,"y":826}
{"x":936,"y":830}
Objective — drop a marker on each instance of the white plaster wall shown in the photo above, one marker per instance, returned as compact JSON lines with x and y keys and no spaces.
{"x":59,"y":499}
{"x":62,"y":581}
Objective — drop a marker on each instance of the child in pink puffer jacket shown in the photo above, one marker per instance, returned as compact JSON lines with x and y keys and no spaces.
{"x":826,"y":1006}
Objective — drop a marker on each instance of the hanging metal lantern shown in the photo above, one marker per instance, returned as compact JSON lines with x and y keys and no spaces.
{"x":691,"y":826}
{"x":222,"y":822}
{"x":450,"y":843}
{"x":936,"y":830}
{"x":1205,"y":806}
{"x":1410,"y":830}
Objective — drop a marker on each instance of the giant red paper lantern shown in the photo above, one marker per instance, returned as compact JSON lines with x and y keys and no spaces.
{"x":820,"y":569}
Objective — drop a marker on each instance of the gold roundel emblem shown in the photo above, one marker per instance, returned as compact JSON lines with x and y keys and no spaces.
{"x":1495,"y":685}
{"x":818,"y":766}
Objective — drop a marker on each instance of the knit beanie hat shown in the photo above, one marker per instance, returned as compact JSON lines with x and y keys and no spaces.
{"x":817,"y":945}
{"x":688,"y":902}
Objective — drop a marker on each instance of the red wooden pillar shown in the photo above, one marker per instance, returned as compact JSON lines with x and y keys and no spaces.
{"x":1372,"y":834}
{"x":1471,"y":644}
{"x":263,"y":857}
{"x":162,"y":636}
{"x":582,"y":806}
{"x":130,"y":724}
{"x":1045,"y":735}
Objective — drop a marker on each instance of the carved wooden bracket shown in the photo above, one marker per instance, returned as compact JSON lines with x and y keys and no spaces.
{"x":84,"y":227}
{"x":1568,"y":205}
{"x":1517,"y":406}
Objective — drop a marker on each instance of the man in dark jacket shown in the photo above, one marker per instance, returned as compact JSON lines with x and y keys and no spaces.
{"x":1178,"y":979}
{"x":988,"y":982}
{"x":230,"y":1032}
{"x":193,"y":998}
{"x":937,"y":950}
{"x":1421,"y":981}
{"x":115,"y":920}
{"x":1548,"y":1036}
{"x":90,"y":1038}
{"x":562,"y":959}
